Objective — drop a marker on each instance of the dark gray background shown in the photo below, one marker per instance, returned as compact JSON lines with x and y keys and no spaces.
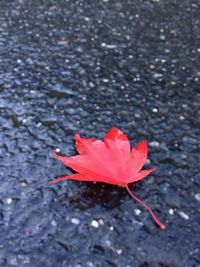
{"x":85,"y":66}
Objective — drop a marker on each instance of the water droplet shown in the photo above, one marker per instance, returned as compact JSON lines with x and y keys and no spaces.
{"x":75,"y":221}
{"x":183,"y":215}
{"x":94,"y":224}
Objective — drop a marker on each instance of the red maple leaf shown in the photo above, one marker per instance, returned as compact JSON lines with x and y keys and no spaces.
{"x":110,"y":161}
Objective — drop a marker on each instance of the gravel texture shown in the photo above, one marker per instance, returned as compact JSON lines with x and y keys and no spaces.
{"x":84,"y":66}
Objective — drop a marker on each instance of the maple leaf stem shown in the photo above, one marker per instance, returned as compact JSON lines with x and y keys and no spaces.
{"x":162,"y":226}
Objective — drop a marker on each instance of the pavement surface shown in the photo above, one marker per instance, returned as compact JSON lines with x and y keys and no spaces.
{"x":85,"y":66}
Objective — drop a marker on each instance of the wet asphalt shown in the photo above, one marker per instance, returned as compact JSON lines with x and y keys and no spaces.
{"x":85,"y":66}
